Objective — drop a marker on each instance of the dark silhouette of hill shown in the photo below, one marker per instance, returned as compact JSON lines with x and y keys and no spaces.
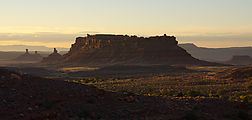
{"x":122,"y":49}
{"x":216,"y":54}
{"x":29,"y":57}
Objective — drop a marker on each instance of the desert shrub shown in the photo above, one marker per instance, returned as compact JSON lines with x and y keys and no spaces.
{"x":165,"y":92}
{"x":150,"y":90}
{"x":222,"y":92}
{"x":97,"y":78}
{"x":146,"y":91}
{"x":193,"y":93}
{"x":128,"y":93}
{"x":247,"y":99}
{"x":180,"y":94}
{"x":170,"y":93}
{"x":114,"y":79}
{"x":211,"y":94}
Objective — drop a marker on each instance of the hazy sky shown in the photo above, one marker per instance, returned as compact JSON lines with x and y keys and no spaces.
{"x":56,"y":23}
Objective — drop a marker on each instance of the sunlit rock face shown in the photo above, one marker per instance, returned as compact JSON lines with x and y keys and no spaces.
{"x":55,"y":57}
{"x":124,"y":49}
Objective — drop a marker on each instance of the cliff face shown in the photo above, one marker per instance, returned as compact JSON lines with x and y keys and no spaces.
{"x":116,"y":49}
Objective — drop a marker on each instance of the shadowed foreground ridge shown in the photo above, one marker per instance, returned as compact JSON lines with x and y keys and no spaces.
{"x":124,"y":49}
{"x":28,"y":97}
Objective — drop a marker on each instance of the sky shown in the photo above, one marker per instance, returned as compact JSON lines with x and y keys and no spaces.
{"x":56,"y":23}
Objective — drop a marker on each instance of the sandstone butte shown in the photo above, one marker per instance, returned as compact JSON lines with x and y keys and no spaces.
{"x":53,"y":58}
{"x":106,"y":49}
{"x":29,"y":57}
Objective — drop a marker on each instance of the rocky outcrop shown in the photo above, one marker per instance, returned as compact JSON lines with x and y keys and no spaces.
{"x":240,"y":60}
{"x":29,"y":57}
{"x":124,"y":49}
{"x":53,"y":58}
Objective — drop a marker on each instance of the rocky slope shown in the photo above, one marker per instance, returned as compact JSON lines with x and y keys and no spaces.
{"x":123,"y":49}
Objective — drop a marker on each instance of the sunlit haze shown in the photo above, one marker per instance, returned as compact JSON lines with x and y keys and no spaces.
{"x":56,"y":23}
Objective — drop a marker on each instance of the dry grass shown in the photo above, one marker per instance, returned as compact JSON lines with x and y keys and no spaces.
{"x":173,"y":86}
{"x":76,"y":69}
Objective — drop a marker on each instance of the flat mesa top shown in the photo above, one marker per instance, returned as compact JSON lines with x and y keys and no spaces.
{"x":112,"y":36}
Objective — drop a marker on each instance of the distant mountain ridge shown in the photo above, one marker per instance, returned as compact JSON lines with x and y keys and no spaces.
{"x":216,"y":54}
{"x":240,"y":60}
{"x":31,"y":48}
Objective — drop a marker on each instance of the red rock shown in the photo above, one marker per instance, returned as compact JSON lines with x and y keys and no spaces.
{"x":53,"y":58}
{"x":29,"y":57}
{"x":123,"y":49}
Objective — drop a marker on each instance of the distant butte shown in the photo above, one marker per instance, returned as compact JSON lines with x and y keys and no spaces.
{"x":29,"y":57}
{"x":53,"y":58}
{"x":107,"y":49}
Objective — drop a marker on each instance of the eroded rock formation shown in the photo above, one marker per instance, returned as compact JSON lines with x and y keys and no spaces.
{"x":53,"y":58}
{"x":29,"y":57}
{"x":124,"y":49}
